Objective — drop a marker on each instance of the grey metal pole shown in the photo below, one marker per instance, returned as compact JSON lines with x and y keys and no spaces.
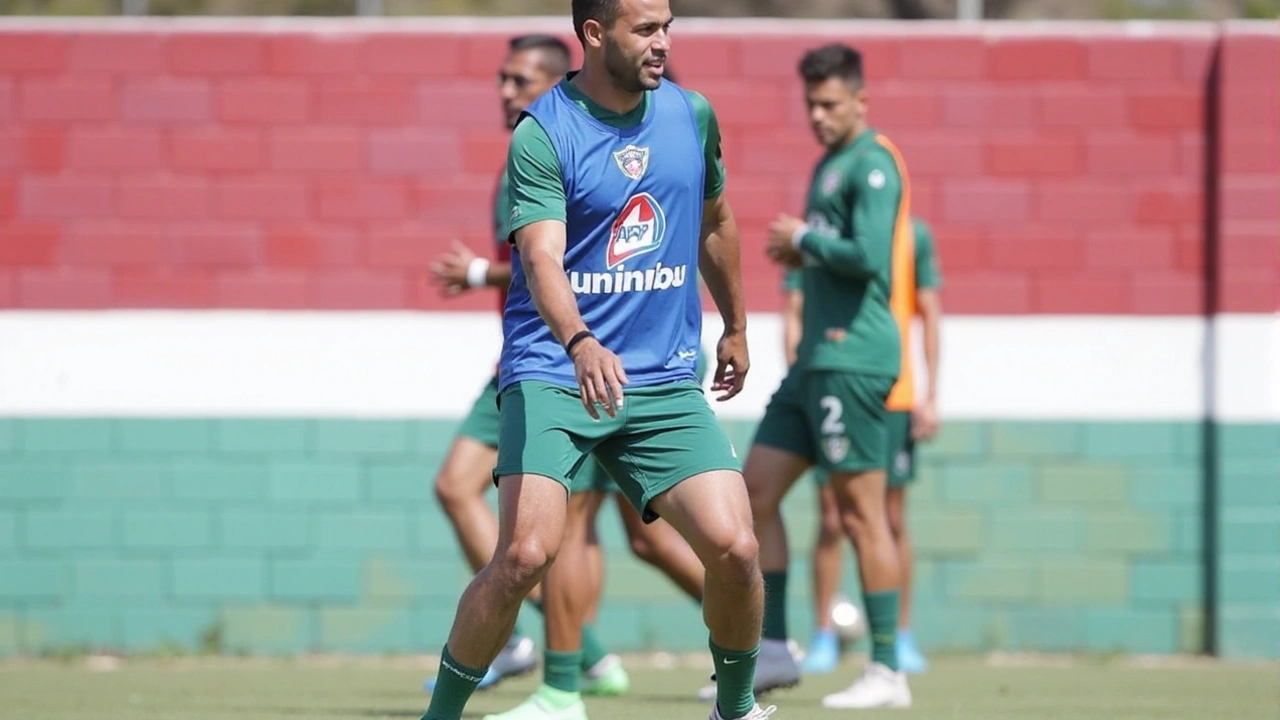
{"x":135,"y":7}
{"x":370,"y":7}
{"x":969,"y":9}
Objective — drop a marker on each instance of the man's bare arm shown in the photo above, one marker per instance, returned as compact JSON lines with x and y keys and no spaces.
{"x":541,"y":247}
{"x":929,"y":307}
{"x":791,"y":324}
{"x":461,"y":269}
{"x":720,"y":263}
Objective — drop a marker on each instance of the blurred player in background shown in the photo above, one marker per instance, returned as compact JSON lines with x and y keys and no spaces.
{"x":617,"y":205}
{"x":534,"y":64}
{"x":908,"y":423}
{"x":830,"y":408}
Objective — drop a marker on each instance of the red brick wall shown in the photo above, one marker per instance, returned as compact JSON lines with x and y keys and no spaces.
{"x":300,"y":169}
{"x":1249,"y":173}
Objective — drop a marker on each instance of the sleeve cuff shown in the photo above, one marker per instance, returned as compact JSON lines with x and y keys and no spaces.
{"x":798,"y":235}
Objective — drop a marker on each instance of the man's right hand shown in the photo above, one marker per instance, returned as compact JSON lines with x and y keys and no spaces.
{"x":600,"y":377}
{"x":449,"y":271}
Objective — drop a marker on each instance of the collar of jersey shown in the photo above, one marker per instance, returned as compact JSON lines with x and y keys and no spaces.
{"x":578,"y":99}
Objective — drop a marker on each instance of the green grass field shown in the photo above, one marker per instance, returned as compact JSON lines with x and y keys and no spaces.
{"x":364,"y":688}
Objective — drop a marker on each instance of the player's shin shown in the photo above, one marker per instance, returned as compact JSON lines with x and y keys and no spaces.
{"x":862,"y":513}
{"x":566,"y":602}
{"x":732,"y":607}
{"x":486,"y":616}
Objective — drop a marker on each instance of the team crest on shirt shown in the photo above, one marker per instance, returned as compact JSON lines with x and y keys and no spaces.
{"x":632,"y":161}
{"x":830,"y":182}
{"x":836,"y":447}
{"x":638,"y":230}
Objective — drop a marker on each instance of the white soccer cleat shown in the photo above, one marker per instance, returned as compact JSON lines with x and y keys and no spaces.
{"x":517,"y":658}
{"x":776,"y":668}
{"x":757,"y":713}
{"x":879,"y":687}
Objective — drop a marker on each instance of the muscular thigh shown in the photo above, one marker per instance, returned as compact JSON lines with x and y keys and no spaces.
{"x":544,"y":430}
{"x":481,"y":424}
{"x":670,"y":435}
{"x":847,"y":419}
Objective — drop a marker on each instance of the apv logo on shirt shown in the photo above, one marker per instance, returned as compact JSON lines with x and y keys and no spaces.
{"x":638,"y":229}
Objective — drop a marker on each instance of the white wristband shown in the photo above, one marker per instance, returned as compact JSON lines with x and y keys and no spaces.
{"x":798,"y":235}
{"x":477,"y":273}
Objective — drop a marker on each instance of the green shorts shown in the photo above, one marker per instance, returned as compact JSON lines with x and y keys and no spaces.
{"x":900,"y":462}
{"x":835,"y":420}
{"x":663,"y":435}
{"x":482,"y":422}
{"x":901,"y":459}
{"x":592,"y":477}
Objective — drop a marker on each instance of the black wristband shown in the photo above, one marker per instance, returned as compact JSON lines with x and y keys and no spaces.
{"x":577,"y":338}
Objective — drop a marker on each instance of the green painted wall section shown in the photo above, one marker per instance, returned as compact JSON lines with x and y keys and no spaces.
{"x":276,"y":536}
{"x":1248,"y":548}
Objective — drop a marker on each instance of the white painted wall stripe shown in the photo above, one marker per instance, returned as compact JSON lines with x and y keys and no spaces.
{"x":1246,"y":367}
{"x":408,"y":364}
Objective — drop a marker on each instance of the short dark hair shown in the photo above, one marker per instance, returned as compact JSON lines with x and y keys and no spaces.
{"x":604,"y":12}
{"x":556,"y":53}
{"x":836,"y":60}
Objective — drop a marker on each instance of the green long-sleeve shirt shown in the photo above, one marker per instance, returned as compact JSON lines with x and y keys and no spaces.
{"x":855,"y":198}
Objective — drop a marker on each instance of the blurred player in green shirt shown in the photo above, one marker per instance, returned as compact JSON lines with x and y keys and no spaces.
{"x":909,"y":421}
{"x":830,"y":410}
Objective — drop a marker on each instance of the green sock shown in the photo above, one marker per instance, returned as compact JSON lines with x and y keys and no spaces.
{"x":593,"y":651}
{"x":561,"y":671}
{"x":735,"y":680}
{"x":454,"y":685}
{"x":882,"y":619}
{"x":775,"y":605}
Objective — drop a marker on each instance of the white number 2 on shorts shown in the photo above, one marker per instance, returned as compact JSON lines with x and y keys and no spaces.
{"x":831,"y":424}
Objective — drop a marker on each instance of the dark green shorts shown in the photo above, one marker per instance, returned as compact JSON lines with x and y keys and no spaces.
{"x":901,"y":458}
{"x":835,"y":420}
{"x":481,"y":423}
{"x":663,"y":435}
{"x":900,"y":462}
{"x":592,"y":477}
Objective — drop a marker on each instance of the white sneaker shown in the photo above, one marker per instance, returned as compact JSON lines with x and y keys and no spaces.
{"x":776,"y":668}
{"x":517,"y":658}
{"x":879,"y":687}
{"x":757,"y":713}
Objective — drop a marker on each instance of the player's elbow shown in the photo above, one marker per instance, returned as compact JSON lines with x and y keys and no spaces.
{"x":928,"y":305}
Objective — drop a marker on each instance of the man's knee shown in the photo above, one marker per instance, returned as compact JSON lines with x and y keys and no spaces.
{"x":525,"y":561}
{"x":463,"y":479}
{"x":738,"y":556}
{"x":642,"y":548}
{"x":454,"y":492}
